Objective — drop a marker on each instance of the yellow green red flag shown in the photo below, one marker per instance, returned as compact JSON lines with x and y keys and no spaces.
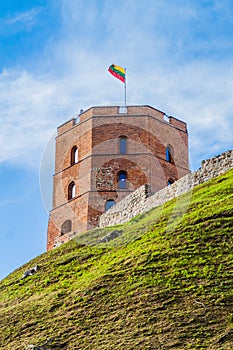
{"x":118,"y":72}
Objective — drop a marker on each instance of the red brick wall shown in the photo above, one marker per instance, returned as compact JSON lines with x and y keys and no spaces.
{"x":75,"y":210}
{"x":81,"y":136}
{"x":96,"y":174}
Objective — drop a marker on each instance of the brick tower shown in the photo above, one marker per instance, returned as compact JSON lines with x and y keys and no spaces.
{"x":104,"y":155}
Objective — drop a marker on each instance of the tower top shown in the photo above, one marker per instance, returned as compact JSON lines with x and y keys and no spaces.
{"x":129,"y":111}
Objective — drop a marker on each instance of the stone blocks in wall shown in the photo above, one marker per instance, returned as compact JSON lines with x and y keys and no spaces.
{"x":128,"y":208}
{"x":90,"y":163}
{"x":143,"y":200}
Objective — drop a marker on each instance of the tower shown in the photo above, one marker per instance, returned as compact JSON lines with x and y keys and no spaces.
{"x":104,"y":155}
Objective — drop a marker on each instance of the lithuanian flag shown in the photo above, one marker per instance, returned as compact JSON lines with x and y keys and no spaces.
{"x":118,"y":72}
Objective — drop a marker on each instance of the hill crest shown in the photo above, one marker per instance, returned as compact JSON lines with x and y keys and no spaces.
{"x":165,"y":283}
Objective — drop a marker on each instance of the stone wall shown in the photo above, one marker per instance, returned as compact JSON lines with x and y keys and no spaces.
{"x":129,"y":207}
{"x":96,"y":136}
{"x":142,"y":199}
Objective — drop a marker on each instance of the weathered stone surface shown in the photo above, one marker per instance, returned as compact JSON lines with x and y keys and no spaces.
{"x":110,"y":236}
{"x":142,"y":200}
{"x":30,"y":272}
{"x":129,"y":207}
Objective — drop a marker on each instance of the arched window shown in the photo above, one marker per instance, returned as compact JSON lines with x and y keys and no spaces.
{"x":66,"y":227}
{"x":170,"y":182}
{"x":169,"y":154}
{"x":109,"y":203}
{"x":71,"y":190}
{"x":74,"y":155}
{"x":123,"y":145}
{"x":122,"y":179}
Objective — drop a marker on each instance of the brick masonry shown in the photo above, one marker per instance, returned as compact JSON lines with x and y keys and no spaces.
{"x":96,"y":134}
{"x":143,"y":199}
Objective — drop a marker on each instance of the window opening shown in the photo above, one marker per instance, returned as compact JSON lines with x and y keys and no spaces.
{"x":170,"y":182}
{"x":122,"y":179}
{"x":169,"y":154}
{"x":123,"y":145}
{"x":71,"y":190}
{"x":66,"y":227}
{"x":74,"y":155}
{"x":109,"y":204}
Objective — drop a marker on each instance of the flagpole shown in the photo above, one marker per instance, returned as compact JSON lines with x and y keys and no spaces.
{"x":125,"y":88}
{"x":119,"y":73}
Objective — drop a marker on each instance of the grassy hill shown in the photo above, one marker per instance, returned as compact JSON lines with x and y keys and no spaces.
{"x":166,"y":283}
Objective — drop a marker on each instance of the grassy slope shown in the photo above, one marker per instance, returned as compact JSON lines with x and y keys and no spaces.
{"x":167,"y":283}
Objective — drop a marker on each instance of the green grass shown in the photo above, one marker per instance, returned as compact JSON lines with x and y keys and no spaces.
{"x":166,"y":283}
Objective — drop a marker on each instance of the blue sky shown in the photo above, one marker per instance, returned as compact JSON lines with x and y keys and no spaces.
{"x":54,"y":56}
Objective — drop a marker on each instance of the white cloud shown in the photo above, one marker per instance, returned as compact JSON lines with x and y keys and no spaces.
{"x":25,"y":123}
{"x":196,"y":89}
{"x":27,"y":18}
{"x":33,"y":106}
{"x":200,"y":93}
